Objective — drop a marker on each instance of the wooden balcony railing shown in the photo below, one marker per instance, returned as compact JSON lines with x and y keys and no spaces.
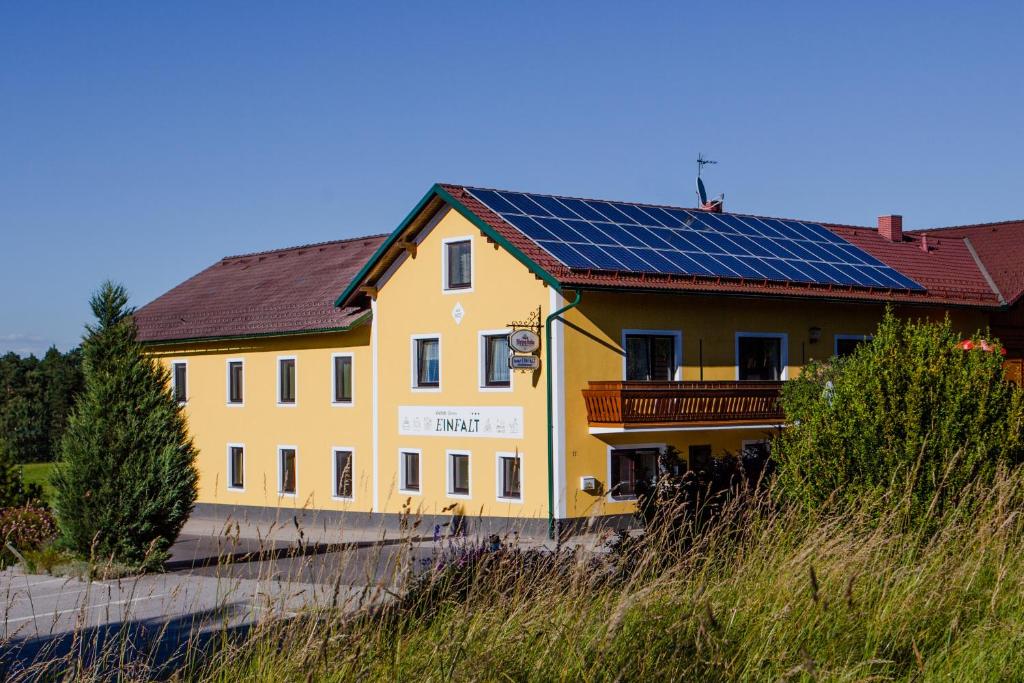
{"x":651,"y":404}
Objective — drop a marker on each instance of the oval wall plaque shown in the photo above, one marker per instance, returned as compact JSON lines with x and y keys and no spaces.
{"x":524,"y":341}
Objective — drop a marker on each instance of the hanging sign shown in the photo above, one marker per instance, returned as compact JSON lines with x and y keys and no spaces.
{"x":524,"y":341}
{"x":524,"y":362}
{"x":496,"y":422}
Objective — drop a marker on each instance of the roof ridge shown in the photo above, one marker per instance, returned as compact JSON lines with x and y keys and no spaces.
{"x":971,"y":225}
{"x":303,"y":246}
{"x":658,"y":206}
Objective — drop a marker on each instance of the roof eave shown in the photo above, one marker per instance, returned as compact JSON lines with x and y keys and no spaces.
{"x":361,"y":320}
{"x":782,"y":296}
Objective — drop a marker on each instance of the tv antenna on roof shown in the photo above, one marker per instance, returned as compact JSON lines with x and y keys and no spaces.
{"x":702,"y":195}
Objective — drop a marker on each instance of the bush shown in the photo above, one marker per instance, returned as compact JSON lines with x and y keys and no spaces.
{"x":27,"y":528}
{"x":910,"y":409}
{"x":126,"y":480}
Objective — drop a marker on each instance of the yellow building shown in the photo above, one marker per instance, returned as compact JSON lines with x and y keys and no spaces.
{"x":370,"y":376}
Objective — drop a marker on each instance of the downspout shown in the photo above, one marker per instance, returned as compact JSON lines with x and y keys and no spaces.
{"x":551,"y":422}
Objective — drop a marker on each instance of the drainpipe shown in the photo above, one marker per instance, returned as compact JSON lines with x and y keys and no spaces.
{"x":551,"y":421}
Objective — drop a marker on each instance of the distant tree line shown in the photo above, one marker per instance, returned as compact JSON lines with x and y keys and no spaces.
{"x":36,"y":397}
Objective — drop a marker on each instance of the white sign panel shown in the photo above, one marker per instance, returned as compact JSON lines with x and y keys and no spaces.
{"x":505,"y":422}
{"x":524,"y":341}
{"x":524,"y":362}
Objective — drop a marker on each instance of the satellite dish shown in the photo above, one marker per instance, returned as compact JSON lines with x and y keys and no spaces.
{"x":702,"y":194}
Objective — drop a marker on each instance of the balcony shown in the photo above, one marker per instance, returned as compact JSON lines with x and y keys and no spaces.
{"x":631,"y":405}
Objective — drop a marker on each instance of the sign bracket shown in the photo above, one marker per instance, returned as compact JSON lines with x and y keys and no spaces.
{"x":523,"y":353}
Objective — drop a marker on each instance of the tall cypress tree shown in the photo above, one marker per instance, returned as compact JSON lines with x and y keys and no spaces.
{"x":126,"y":480}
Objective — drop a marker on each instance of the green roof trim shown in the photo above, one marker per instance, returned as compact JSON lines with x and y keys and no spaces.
{"x":504,"y":243}
{"x":383,"y":248}
{"x":440,"y":192}
{"x":260,"y":335}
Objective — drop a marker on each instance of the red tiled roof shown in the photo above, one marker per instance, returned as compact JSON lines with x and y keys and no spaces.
{"x":1000,"y":247}
{"x":947,"y":270}
{"x":272,"y":292}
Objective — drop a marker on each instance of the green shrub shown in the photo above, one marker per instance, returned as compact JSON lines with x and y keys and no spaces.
{"x":126,"y":480}
{"x":49,"y":558}
{"x":910,"y":410}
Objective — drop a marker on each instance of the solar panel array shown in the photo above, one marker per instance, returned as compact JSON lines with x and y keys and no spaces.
{"x":615,"y":236}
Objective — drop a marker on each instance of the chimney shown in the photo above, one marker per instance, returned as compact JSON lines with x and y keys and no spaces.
{"x":891,"y":228}
{"x":924,"y":243}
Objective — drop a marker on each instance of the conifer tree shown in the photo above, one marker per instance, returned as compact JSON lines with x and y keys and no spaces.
{"x":126,"y":480}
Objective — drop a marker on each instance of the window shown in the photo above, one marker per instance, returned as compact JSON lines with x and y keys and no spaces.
{"x":458,"y":264}
{"x":759,"y":357}
{"x":848,"y":343}
{"x":342,"y":378}
{"x":343,"y":467}
{"x":632,"y":469}
{"x":235,"y":371}
{"x":286,"y":381}
{"x":495,"y":351}
{"x":699,"y":458}
{"x":286,"y":471}
{"x":458,"y":474}
{"x":759,"y":450}
{"x":179,"y":381}
{"x":509,"y":476}
{"x":236,"y":466}
{"x":410,"y":471}
{"x":427,"y":363}
{"x":651,"y":357}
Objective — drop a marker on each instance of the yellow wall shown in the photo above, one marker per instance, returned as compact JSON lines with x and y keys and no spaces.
{"x":411,"y":302}
{"x":593,"y":351}
{"x":313,"y":425}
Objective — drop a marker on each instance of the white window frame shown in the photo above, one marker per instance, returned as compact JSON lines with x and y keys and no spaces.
{"x":783,"y":351}
{"x":236,"y":489}
{"x":481,"y":370}
{"x":677,"y":375}
{"x":448,"y":472}
{"x":608,"y":465}
{"x":414,"y":366}
{"x":174,"y":380}
{"x":277,"y":384}
{"x":334,"y":472}
{"x":334,"y":379}
{"x":847,"y":337}
{"x":444,"y":264}
{"x":498,"y":470}
{"x":401,"y":471}
{"x":280,"y":471}
{"x":227,"y":383}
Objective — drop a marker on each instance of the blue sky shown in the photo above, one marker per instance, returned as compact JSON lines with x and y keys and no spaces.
{"x":142,"y":141}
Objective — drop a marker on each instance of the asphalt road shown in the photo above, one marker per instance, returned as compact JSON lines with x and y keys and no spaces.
{"x":210,"y":588}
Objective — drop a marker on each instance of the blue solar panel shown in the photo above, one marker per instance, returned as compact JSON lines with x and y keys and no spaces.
{"x":600,"y":235}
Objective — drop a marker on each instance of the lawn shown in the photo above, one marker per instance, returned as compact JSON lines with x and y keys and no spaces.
{"x":39,"y":473}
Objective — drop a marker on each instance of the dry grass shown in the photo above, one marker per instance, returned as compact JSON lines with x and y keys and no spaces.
{"x":844,"y":594}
